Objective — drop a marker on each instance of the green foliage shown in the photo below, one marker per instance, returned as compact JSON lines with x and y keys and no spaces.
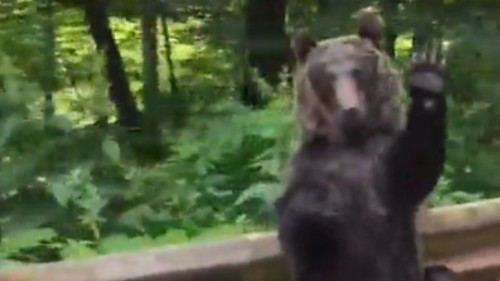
{"x":25,"y":239}
{"x":71,"y":188}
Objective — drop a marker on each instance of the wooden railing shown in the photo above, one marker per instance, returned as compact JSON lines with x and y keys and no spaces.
{"x":465,"y":237}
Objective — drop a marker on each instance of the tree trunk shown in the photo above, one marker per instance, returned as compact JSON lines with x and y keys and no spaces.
{"x":323,"y":6}
{"x":391,"y":21}
{"x":420,"y":39}
{"x":266,"y":44}
{"x":150,"y":65}
{"x":390,"y":42}
{"x":49,"y":76}
{"x":168,"y":56}
{"x":119,"y":89}
{"x":177,"y":104}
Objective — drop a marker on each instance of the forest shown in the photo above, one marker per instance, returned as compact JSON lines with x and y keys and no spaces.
{"x":126,"y":125}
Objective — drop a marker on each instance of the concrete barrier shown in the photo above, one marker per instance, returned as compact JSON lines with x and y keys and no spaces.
{"x":465,"y":237}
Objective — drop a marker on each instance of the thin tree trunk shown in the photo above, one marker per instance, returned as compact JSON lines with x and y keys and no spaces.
{"x":177,"y":104}
{"x":48,"y":76}
{"x":119,"y":89}
{"x":419,"y":40}
{"x":168,"y":56}
{"x":390,"y":43}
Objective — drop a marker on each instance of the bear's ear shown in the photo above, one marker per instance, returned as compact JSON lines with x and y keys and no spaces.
{"x":301,"y":44}
{"x":371,"y":27}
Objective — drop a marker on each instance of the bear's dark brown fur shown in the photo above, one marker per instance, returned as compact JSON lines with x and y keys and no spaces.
{"x":359,"y":175}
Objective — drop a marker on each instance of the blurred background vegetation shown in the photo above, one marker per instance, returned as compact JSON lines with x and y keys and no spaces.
{"x":131,"y":124}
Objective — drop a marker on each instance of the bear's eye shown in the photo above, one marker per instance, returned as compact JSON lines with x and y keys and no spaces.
{"x":361,"y":77}
{"x":357,"y":74}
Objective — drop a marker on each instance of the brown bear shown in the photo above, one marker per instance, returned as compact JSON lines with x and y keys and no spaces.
{"x":360,"y":173}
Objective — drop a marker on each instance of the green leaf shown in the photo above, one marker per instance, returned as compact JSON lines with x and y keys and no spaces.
{"x":220,"y":231}
{"x":77,"y":250}
{"x":111,"y":149}
{"x":61,"y":122}
{"x":134,"y":217}
{"x":8,"y":126}
{"x":16,"y":241}
{"x":9,"y":264}
{"x":262,"y":191}
{"x":173,"y":236}
{"x":12,"y":89}
{"x":122,"y":243}
{"x":62,"y":191}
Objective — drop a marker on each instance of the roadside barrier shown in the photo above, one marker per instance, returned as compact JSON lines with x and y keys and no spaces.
{"x":465,"y":237}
